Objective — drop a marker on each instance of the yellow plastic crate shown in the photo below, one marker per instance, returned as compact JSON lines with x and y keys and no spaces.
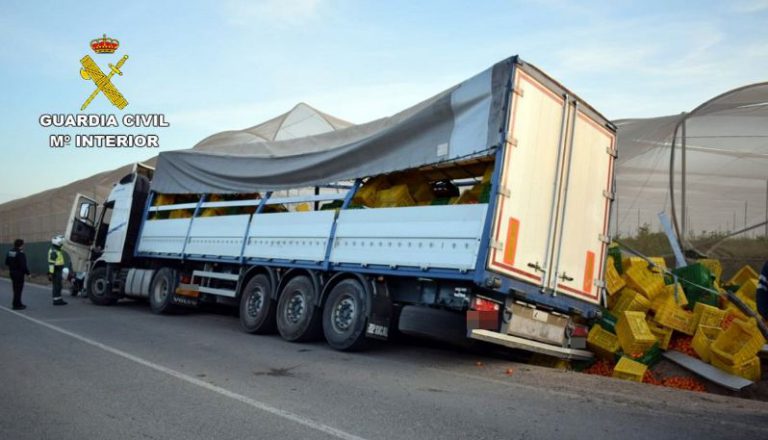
{"x":627,"y":369}
{"x":602,"y":342}
{"x":630,"y":300}
{"x":744,"y":274}
{"x":732,"y":309}
{"x":672,"y":316}
{"x":633,"y":332}
{"x":707,"y":315}
{"x":644,"y":281}
{"x":628,"y":262}
{"x":668,"y":296}
{"x":663,"y":334}
{"x":395,"y":196}
{"x":660,"y":264}
{"x":749,"y":370}
{"x":748,"y":289}
{"x":714,"y":266}
{"x":703,"y":339}
{"x":613,"y":281}
{"x":739,"y":343}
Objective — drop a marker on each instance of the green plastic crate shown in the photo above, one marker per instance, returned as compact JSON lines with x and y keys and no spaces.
{"x":700,"y":276}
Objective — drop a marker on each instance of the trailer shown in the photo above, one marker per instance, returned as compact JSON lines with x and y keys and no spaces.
{"x":481,"y":213}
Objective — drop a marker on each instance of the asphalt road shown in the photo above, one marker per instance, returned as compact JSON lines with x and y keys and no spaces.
{"x":88,"y":372}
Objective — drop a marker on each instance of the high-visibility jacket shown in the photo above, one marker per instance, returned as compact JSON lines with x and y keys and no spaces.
{"x":55,"y":259}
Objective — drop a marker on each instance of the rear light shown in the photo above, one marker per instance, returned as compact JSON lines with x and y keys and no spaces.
{"x":580,"y":331}
{"x":185,"y":279}
{"x":485,"y":305}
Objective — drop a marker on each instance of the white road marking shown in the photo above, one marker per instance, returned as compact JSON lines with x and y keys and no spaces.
{"x":194,"y":381}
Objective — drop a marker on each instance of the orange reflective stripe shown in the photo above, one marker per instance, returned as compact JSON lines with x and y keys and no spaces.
{"x":589,"y":271}
{"x":511,"y":247}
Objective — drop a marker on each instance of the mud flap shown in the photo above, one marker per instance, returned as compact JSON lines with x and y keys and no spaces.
{"x":379,"y":316}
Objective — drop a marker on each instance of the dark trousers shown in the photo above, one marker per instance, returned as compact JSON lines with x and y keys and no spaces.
{"x":18,"y":286}
{"x":57,"y":283}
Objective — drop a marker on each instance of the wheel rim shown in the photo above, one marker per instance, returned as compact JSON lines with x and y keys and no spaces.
{"x":99,"y":286}
{"x":255,"y":302}
{"x":161,"y":292}
{"x":344,"y":314}
{"x":294,"y":310}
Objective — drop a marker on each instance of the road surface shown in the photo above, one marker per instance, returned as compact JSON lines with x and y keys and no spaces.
{"x":88,"y":372}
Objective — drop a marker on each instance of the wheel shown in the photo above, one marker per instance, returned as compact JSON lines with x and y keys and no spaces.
{"x":98,"y":289}
{"x":344,"y":316}
{"x":442,"y":325}
{"x":257,"y":308}
{"x":298,"y":319}
{"x":161,"y":291}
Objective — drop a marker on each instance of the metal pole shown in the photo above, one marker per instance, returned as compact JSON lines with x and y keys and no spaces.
{"x":766,"y":209}
{"x":682,"y":199}
{"x":745,"y":213}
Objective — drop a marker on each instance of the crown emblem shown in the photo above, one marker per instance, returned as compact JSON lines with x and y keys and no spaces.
{"x":104,"y":45}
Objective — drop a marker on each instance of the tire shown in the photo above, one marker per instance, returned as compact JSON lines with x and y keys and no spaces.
{"x":161,"y":291}
{"x":345,"y":316}
{"x":257,"y":308}
{"x":298,"y":320}
{"x":98,"y":289}
{"x":441,"y":325}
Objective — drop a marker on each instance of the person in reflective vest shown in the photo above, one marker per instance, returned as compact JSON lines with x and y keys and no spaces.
{"x":55,"y":268}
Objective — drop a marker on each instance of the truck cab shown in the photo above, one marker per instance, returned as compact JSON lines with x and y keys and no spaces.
{"x":98,"y":234}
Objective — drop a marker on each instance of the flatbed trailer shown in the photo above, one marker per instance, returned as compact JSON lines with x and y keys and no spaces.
{"x":522,"y":267}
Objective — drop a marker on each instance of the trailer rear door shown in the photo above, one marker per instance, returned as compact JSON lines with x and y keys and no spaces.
{"x":529,"y":182}
{"x":585,"y":199}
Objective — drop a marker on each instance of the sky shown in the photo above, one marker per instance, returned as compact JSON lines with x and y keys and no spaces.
{"x":211,"y":66}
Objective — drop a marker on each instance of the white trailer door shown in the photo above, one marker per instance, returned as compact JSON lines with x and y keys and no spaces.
{"x":522,"y":226}
{"x":580,"y":248}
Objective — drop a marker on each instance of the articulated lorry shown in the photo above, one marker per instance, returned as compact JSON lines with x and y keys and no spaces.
{"x":481,"y":213}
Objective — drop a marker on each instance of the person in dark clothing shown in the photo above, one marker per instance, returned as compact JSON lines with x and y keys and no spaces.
{"x":17,"y":265}
{"x":762,"y":292}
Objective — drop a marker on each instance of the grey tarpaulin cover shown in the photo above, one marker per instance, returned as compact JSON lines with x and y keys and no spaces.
{"x":462,"y":121}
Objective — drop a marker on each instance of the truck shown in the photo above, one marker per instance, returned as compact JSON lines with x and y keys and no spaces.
{"x":481,"y":213}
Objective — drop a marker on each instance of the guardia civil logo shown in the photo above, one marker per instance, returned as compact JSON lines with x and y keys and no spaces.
{"x":91,"y":71}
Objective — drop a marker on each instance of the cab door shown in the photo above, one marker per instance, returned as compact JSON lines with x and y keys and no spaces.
{"x":81,"y":231}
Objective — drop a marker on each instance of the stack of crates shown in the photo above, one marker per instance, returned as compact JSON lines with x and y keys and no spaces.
{"x":735,"y":349}
{"x":651,"y":306}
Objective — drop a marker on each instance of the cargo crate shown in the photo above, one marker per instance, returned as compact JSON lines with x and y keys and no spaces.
{"x":630,"y":300}
{"x":744,"y":274}
{"x":698,"y":285}
{"x":651,"y":357}
{"x":673,"y":294}
{"x":607,"y":321}
{"x":627,"y":369}
{"x":602,"y":342}
{"x":714,"y":267}
{"x":643,"y":280}
{"x":707,"y":315}
{"x":739,"y":343}
{"x":749,"y":370}
{"x":633,"y":333}
{"x":663,"y":334}
{"x":615,"y":253}
{"x":672,"y":316}
{"x":748,"y":290}
{"x":613,"y":281}
{"x":703,"y":339}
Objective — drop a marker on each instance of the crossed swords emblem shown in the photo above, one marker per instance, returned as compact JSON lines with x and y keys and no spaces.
{"x":103,"y":82}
